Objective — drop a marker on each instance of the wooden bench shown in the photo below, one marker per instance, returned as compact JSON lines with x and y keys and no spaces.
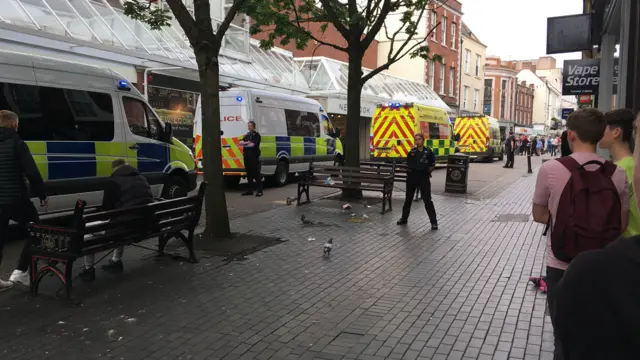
{"x":57,"y":242}
{"x":344,"y":177}
{"x":401,"y":171}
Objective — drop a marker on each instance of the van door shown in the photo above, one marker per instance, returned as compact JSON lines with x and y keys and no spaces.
{"x":234,"y":116}
{"x":145,"y":150}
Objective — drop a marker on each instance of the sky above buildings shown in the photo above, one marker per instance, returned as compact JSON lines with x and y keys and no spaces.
{"x":517,"y":29}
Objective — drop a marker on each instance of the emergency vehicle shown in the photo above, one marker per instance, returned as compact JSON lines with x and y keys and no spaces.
{"x":76,"y":119}
{"x":294,"y":132}
{"x":479,"y":136}
{"x":394,"y":125}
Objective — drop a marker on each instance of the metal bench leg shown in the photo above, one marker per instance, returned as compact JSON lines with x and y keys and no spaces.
{"x":303,"y":189}
{"x":33,"y":276}
{"x":68,"y":278}
{"x":162,"y":243}
{"x":189,"y":243}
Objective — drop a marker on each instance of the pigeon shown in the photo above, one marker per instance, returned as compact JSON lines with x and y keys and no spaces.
{"x":327,"y":247}
{"x":305,"y":220}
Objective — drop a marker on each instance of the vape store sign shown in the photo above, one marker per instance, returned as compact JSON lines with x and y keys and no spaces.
{"x":583,"y":76}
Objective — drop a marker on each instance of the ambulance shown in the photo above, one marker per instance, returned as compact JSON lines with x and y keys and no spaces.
{"x":394,"y":125}
{"x":479,"y":137}
{"x":294,"y":131}
{"x":76,"y":119}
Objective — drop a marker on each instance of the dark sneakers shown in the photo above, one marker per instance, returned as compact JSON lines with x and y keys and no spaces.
{"x":402,"y":222}
{"x":259,"y":193}
{"x":113,"y":266}
{"x":434,"y":227}
{"x":88,"y":274}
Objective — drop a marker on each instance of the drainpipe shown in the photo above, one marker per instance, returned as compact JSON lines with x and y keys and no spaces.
{"x":460,"y":73}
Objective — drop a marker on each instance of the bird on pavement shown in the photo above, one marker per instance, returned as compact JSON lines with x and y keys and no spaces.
{"x":305,"y":221}
{"x":327,"y":247}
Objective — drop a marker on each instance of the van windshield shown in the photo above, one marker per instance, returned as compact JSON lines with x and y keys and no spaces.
{"x":327,"y":125}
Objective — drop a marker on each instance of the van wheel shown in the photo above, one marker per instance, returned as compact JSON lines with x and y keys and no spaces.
{"x":231,"y":182}
{"x":281,"y":177}
{"x":174,"y":188}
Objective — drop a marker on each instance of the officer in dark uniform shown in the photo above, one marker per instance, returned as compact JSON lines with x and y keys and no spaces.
{"x":421,"y":162}
{"x":251,"y":144}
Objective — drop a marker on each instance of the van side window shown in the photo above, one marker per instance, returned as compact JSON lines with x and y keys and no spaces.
{"x":56,"y":114}
{"x":269,"y":120}
{"x":141,"y":120}
{"x":302,"y":123}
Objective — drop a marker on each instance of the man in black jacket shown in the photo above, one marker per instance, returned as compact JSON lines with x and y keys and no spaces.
{"x":420,"y":162}
{"x":251,"y":144}
{"x":16,"y":166}
{"x":126,"y":188}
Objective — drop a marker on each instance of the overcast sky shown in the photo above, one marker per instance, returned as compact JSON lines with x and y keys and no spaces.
{"x":516,"y":29}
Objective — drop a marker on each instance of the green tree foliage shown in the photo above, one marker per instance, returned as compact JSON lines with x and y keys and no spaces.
{"x":359,"y":23}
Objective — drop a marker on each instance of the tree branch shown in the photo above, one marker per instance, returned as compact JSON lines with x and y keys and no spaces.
{"x":231,"y":14}
{"x":186,"y":21}
{"x":377,"y":25}
{"x":334,"y":19}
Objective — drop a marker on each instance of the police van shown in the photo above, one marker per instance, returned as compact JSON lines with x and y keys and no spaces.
{"x":76,"y":119}
{"x":294,"y":131}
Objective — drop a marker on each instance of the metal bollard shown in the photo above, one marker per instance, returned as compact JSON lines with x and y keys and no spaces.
{"x":529,"y":170}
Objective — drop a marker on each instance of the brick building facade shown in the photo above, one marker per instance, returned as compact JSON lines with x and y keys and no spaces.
{"x":524,"y":104}
{"x":444,"y":78}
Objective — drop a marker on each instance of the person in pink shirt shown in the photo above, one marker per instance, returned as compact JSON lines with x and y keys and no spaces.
{"x":585,"y":129}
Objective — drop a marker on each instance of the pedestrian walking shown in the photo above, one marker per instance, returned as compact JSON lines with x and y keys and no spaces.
{"x":554,"y":146}
{"x":537,"y":145}
{"x":17,"y":166}
{"x":251,"y":144}
{"x":549,"y":145}
{"x":126,"y":188}
{"x":420,"y":162}
{"x":603,"y":208}
{"x":509,"y":148}
{"x":526,"y":146}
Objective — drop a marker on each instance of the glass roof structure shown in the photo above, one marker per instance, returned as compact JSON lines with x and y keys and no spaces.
{"x":328,"y":76}
{"x":102,"y":22}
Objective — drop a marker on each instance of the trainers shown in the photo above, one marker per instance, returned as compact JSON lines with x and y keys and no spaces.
{"x":259,"y":193}
{"x":248,"y":193}
{"x":434,"y":226}
{"x":113,"y":266}
{"x":5,"y":285}
{"x":19,"y":277}
{"x":88,"y":274}
{"x":402,"y":222}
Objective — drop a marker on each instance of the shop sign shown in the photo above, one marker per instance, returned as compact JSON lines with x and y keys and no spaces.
{"x":583,"y":76}
{"x":566,"y":112}
{"x":523,"y":130}
{"x":337,"y":106}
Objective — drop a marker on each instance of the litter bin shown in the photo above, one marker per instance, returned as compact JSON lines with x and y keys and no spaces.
{"x":457,"y":174}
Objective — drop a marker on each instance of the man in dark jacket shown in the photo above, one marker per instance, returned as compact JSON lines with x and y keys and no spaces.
{"x":126,"y":188}
{"x":16,"y":166}
{"x":251,"y":144}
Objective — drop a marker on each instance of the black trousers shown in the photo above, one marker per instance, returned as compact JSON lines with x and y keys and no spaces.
{"x":252,"y":166}
{"x":23,"y":213}
{"x":422,"y":182}
{"x":510,"y":159}
{"x":552,"y":279}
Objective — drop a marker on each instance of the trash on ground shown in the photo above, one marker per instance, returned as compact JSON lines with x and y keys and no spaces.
{"x":311,"y":238}
{"x":346,"y":206}
{"x":131,"y":320}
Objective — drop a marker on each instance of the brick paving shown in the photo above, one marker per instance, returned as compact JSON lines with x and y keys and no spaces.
{"x":386,"y":292}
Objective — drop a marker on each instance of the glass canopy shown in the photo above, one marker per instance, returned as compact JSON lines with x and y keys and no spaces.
{"x":326,"y":75}
{"x":103,"y":22}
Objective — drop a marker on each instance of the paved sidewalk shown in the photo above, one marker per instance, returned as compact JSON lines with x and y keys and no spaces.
{"x":386,"y":292}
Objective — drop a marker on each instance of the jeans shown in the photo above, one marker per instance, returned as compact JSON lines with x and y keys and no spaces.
{"x":552,"y":279}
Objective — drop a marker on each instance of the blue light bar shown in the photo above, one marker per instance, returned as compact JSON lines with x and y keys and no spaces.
{"x":239,"y":98}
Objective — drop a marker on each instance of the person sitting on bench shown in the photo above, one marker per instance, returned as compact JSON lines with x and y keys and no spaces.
{"x":126,"y":188}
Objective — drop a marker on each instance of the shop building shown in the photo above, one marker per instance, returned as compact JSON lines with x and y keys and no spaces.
{"x":474,"y":53}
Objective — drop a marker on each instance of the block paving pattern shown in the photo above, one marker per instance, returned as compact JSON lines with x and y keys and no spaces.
{"x":386,"y":292}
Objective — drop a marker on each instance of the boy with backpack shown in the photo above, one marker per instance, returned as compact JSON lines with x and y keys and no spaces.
{"x":583,"y":198}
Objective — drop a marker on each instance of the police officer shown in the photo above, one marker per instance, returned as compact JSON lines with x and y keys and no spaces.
{"x":251,"y":144}
{"x":421,"y":162}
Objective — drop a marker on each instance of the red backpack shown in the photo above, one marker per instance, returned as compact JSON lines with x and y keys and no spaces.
{"x":589,"y":214}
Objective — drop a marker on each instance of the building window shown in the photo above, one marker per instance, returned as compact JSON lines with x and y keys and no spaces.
{"x":452,"y":79}
{"x":434,"y":23}
{"x":476,"y":98}
{"x":465,"y":97}
{"x":454,"y":30}
{"x":478,"y":61}
{"x":503,"y":99}
{"x":442,"y":70}
{"x":432,"y":74}
{"x":444,"y":30}
{"x":467,"y":59}
{"x":488,"y":96}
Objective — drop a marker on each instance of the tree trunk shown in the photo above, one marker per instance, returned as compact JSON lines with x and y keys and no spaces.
{"x":217,"y":217}
{"x":352,"y":139}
